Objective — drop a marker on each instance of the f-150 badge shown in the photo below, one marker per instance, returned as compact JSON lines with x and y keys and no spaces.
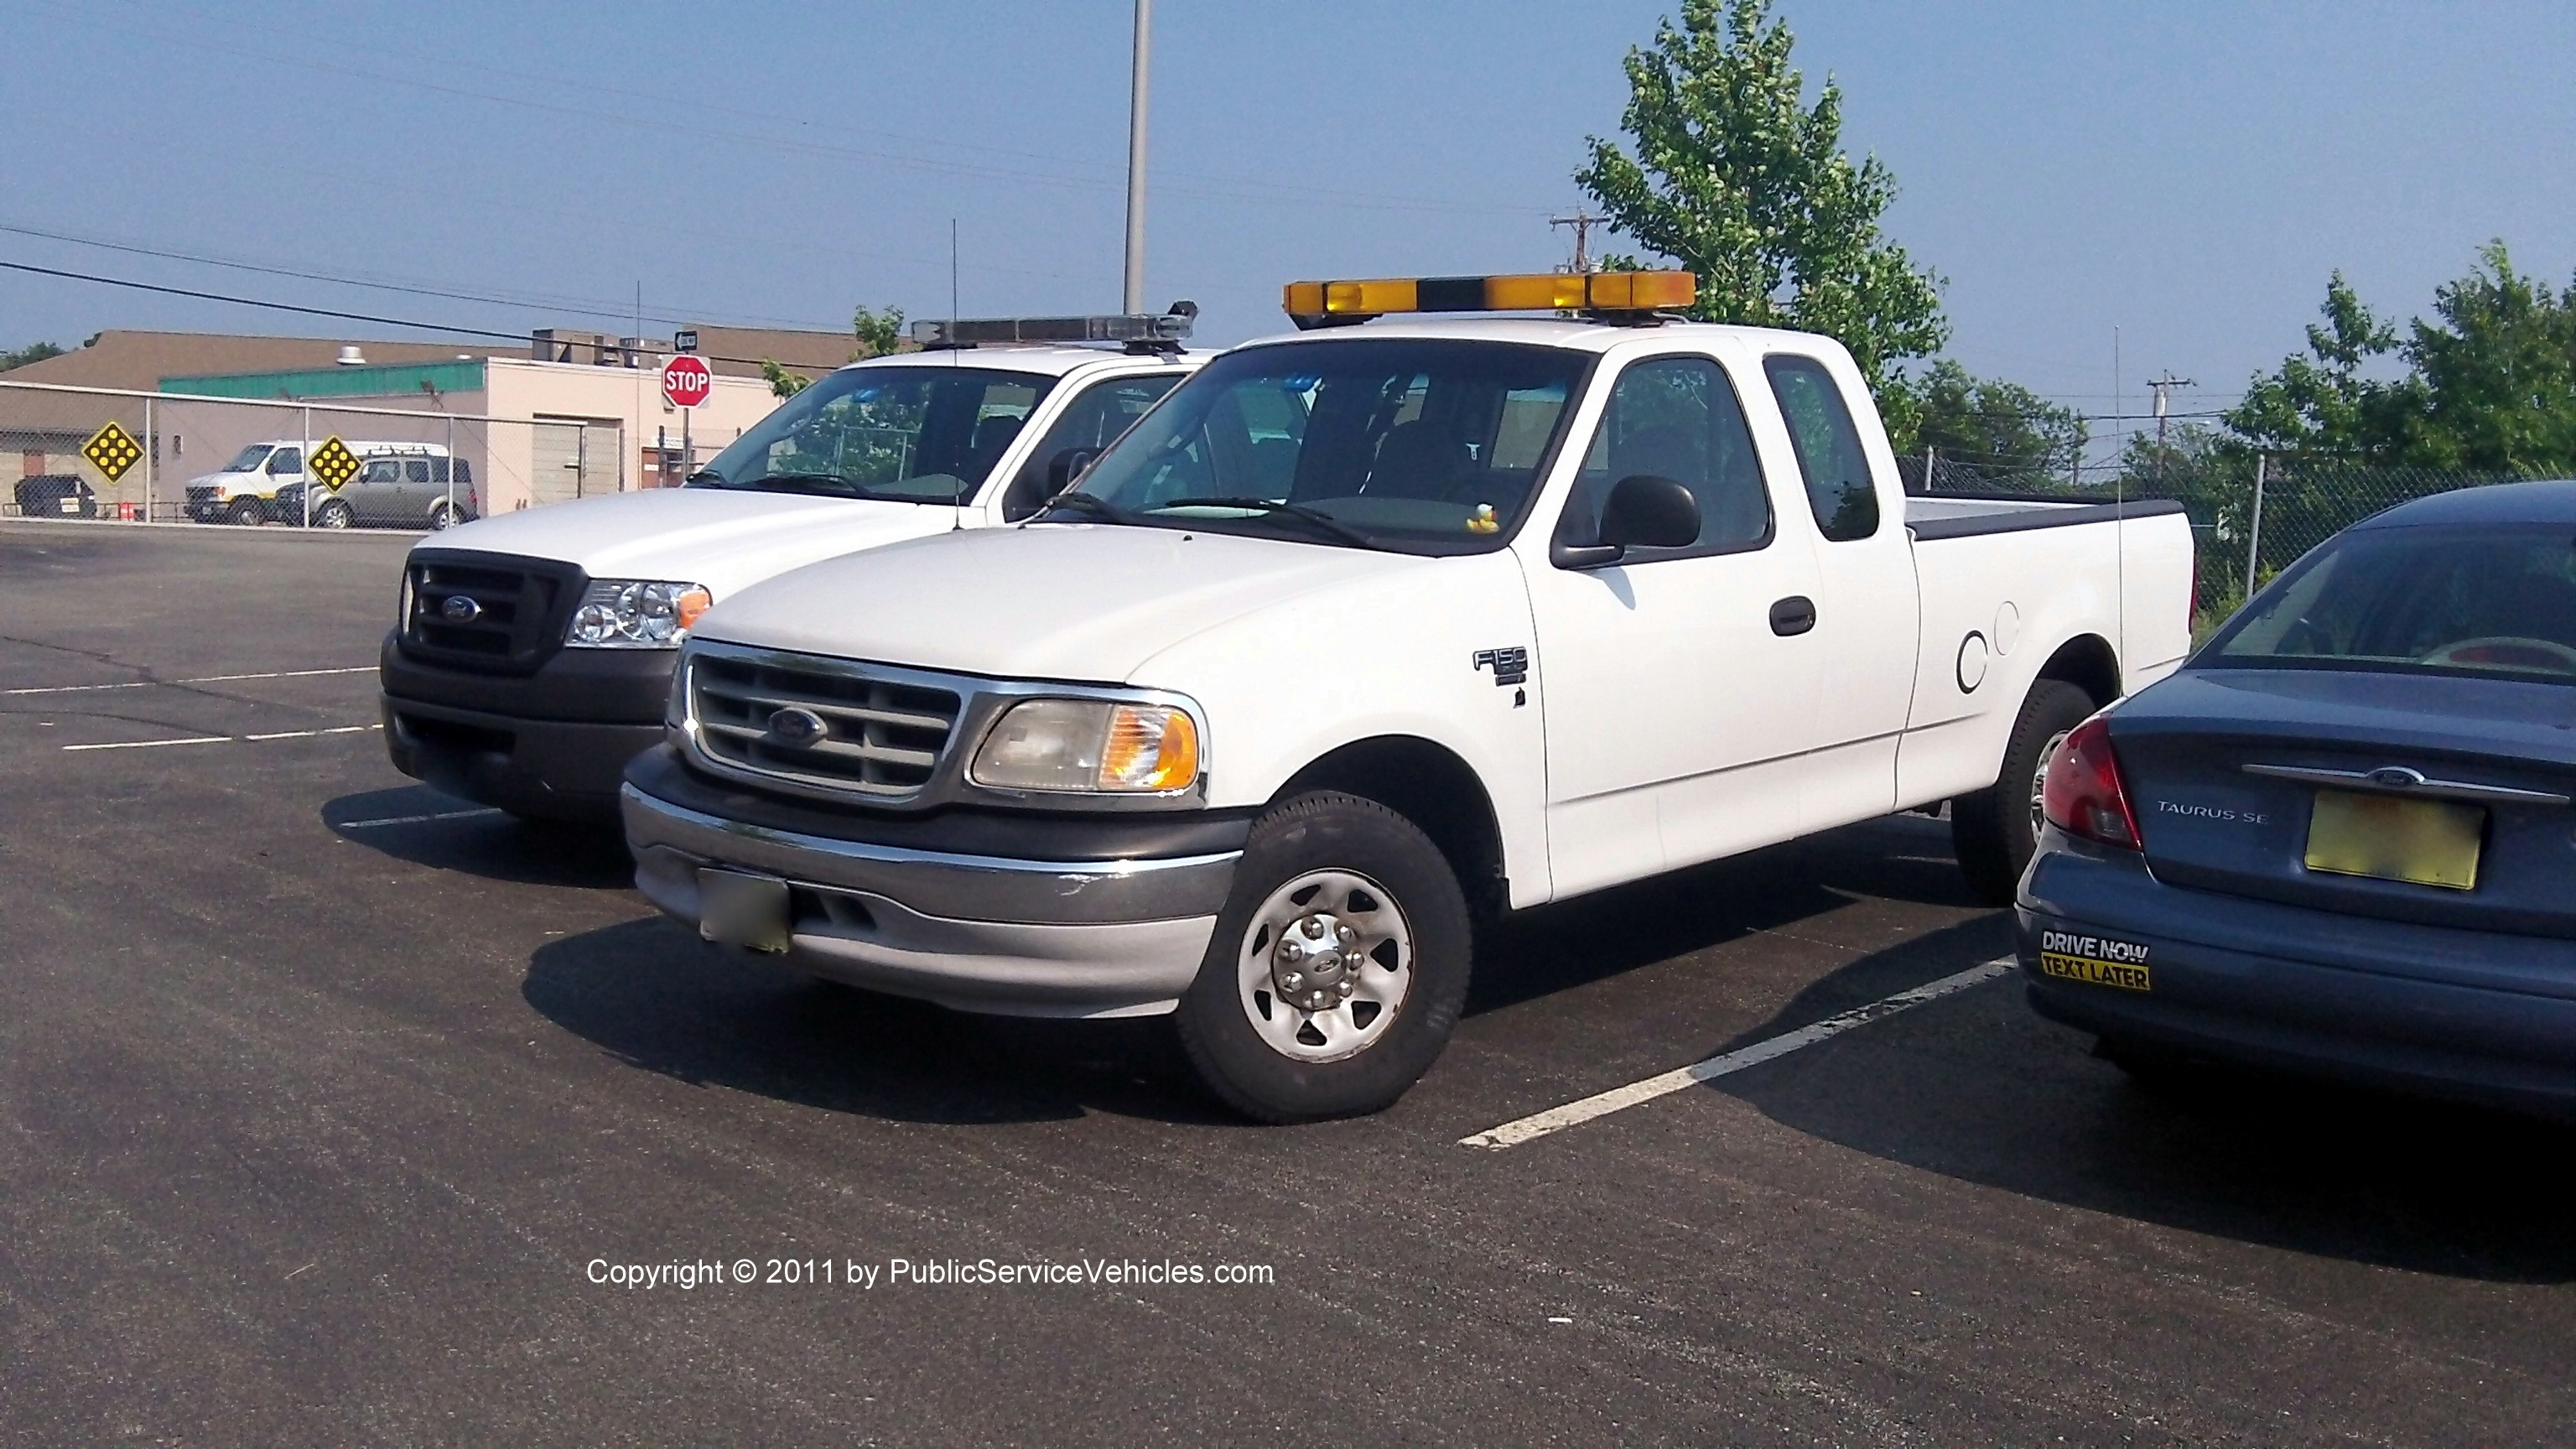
{"x":1510,"y":666}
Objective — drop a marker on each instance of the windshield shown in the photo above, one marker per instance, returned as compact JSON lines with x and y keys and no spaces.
{"x":2487,"y":601}
{"x":1416,"y":446}
{"x":905,"y":434}
{"x":247,"y":460}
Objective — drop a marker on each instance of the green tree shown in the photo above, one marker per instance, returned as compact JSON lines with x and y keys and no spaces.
{"x":879,"y":333}
{"x":782,"y":382}
{"x":1736,"y":178}
{"x":32,"y":352}
{"x":2001,"y":429}
{"x":2488,"y":382}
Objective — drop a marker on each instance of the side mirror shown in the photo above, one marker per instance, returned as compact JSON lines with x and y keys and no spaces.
{"x":1643,"y":511}
{"x":1066,"y":466}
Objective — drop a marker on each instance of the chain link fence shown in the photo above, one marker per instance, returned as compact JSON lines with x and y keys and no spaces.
{"x":2252,"y":515}
{"x":248,"y":462}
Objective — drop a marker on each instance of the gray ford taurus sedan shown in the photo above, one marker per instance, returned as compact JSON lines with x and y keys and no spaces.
{"x":2340,"y":839}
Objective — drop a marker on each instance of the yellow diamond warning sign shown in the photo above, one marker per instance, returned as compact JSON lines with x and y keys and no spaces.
{"x":113,"y":451}
{"x":332,"y":463}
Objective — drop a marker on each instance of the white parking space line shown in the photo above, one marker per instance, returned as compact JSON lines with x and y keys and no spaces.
{"x":229,"y":739}
{"x":1619,"y":1099}
{"x":414,"y":819}
{"x":202,"y":679}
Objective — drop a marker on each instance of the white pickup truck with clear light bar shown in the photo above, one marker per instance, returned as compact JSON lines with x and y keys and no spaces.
{"x":1368,"y":634}
{"x":533,"y":653}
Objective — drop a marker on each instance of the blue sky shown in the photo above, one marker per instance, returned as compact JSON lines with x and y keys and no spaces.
{"x":2188,"y":173}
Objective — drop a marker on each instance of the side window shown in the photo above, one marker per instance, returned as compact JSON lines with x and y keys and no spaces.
{"x":1839,"y":487}
{"x":381,"y":470}
{"x":1677,"y":418}
{"x":1094,"y":420}
{"x":464,"y":471}
{"x":416,"y":470}
{"x":286,"y":460}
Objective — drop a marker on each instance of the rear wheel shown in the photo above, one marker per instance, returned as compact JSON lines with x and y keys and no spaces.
{"x":443,"y":516}
{"x":1338,"y":966}
{"x":333,"y":514}
{"x":1996,"y":829}
{"x":247,"y":512}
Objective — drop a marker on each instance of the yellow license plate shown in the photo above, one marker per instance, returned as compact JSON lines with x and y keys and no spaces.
{"x":2388,"y":837}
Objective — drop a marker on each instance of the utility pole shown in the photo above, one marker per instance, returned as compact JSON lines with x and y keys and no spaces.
{"x":1135,"y":293}
{"x":2164,"y":386}
{"x":1582,"y":221}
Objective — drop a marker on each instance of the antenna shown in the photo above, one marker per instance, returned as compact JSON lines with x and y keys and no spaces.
{"x":957,"y":500}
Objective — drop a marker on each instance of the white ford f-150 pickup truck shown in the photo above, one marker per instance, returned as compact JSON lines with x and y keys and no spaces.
{"x":1368,"y":634}
{"x":533,"y":653}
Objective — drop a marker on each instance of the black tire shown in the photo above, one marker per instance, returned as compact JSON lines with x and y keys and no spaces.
{"x":1332,"y":832}
{"x":334,"y":513}
{"x":248,"y":512}
{"x":1993,"y":830}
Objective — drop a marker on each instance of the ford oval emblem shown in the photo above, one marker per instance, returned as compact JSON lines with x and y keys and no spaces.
{"x":795,"y":726}
{"x":460,"y":610}
{"x":2396,"y":777}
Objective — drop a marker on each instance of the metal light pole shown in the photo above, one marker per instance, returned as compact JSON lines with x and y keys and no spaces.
{"x":1135,"y":293}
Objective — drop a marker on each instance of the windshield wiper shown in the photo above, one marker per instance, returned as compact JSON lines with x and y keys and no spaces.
{"x":1321,"y":521}
{"x":1084,"y":503}
{"x":706,"y":474}
{"x":808,"y":483}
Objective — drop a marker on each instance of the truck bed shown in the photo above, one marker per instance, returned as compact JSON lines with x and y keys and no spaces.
{"x":1970,"y":515}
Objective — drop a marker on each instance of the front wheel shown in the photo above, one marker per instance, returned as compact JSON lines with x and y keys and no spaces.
{"x":1996,"y":830}
{"x":1338,"y":967}
{"x":333,"y":514}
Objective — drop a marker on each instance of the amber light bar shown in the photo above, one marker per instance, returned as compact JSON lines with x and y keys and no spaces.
{"x":1315,"y":304}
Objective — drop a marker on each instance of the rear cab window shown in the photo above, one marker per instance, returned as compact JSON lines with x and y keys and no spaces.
{"x":1840,"y":491}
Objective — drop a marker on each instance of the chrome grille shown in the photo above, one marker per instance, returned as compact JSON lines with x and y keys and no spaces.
{"x":880,"y":736}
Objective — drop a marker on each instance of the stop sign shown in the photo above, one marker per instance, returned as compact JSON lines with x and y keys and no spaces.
{"x":686,"y":381}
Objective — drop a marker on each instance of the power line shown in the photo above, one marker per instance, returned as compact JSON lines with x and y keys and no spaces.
{"x":418,"y":326}
{"x":560,"y":304}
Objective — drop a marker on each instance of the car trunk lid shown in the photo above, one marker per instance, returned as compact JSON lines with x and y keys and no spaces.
{"x":2312,"y":786}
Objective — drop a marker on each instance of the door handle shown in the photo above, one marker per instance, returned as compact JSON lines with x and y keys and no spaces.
{"x":1795,"y":614}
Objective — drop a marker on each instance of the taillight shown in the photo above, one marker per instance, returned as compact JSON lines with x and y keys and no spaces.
{"x":2083,"y":794}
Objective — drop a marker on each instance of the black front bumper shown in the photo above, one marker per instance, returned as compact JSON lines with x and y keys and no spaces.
{"x":553,"y":743}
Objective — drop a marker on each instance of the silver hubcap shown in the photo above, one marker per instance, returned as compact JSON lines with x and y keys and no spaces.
{"x":2039,"y":781}
{"x":1325,"y":965}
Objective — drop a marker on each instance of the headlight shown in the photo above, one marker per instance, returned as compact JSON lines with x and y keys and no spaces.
{"x":635,"y":614}
{"x":1090,"y":745}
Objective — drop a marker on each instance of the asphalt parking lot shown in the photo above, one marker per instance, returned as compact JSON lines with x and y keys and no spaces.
{"x":324,"y":1099}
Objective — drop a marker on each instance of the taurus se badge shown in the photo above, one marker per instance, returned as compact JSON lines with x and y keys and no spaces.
{"x":1510,"y":666}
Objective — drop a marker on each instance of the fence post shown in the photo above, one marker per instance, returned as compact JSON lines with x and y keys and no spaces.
{"x":451,"y":470}
{"x":2254,"y":529}
{"x":1928,"y":464}
{"x":151,"y":451}
{"x":305,"y":455}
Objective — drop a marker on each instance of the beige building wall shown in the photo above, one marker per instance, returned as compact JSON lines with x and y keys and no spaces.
{"x":620,"y":414}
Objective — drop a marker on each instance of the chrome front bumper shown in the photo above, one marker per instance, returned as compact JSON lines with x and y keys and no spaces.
{"x":978,"y":933}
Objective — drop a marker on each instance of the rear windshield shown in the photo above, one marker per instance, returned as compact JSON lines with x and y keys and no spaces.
{"x":902,"y":434}
{"x":2488,"y":601}
{"x":1414,"y":446}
